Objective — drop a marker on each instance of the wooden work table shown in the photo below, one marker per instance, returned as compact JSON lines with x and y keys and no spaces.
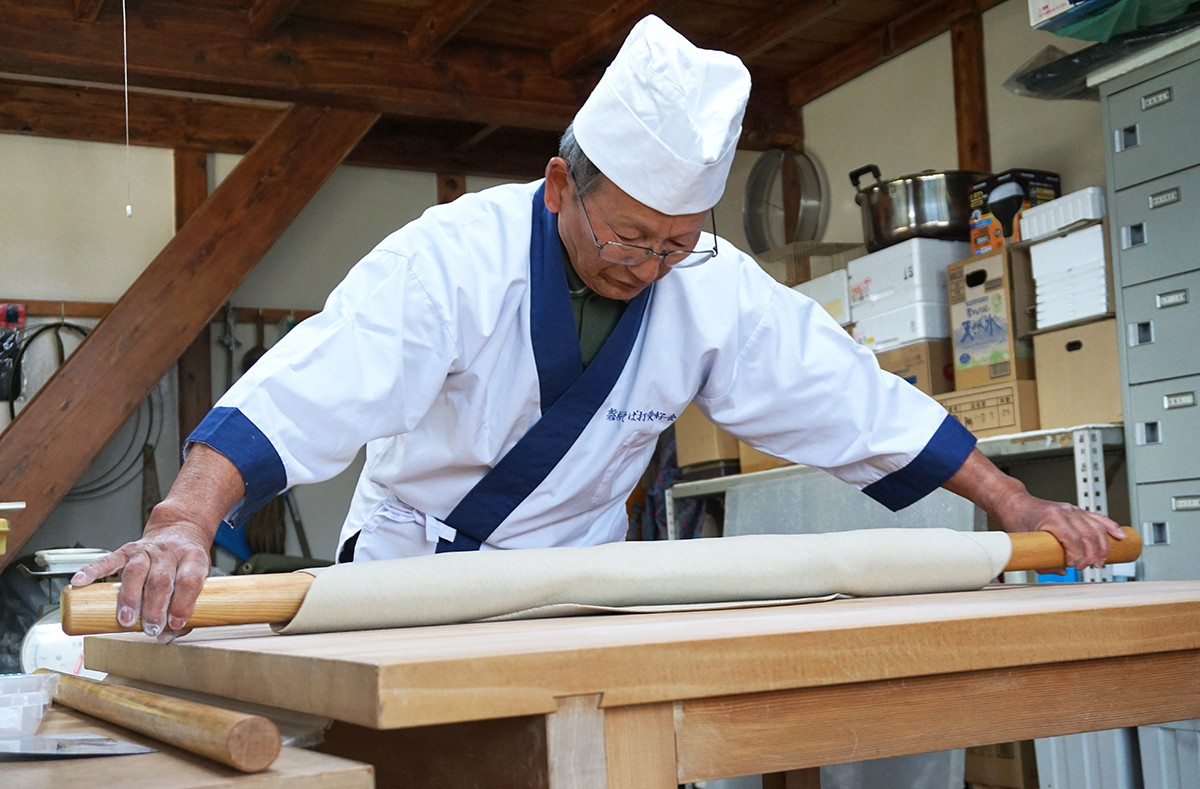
{"x":653,"y":700}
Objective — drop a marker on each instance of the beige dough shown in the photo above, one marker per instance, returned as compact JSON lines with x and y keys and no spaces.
{"x":641,"y":576}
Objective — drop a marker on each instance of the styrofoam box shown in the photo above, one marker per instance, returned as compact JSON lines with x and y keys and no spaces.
{"x":1053,"y":216}
{"x":23,"y":700}
{"x":905,"y":273}
{"x":832,"y":292}
{"x":925,"y":320}
{"x":1071,"y":250}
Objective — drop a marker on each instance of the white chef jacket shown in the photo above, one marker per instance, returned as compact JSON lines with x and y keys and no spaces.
{"x":424,"y":354}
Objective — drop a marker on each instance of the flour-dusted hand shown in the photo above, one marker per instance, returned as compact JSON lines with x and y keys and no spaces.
{"x":1084,"y":535}
{"x":163,"y":572}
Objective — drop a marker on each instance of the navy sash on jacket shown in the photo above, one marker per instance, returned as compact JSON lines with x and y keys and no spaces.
{"x":571,"y":396}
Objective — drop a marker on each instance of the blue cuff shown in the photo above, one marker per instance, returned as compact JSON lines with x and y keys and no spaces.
{"x":941,"y":457}
{"x":230,"y":432}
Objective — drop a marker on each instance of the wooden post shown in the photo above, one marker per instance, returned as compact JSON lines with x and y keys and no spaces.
{"x":195,"y":366}
{"x":450,"y":187}
{"x":970,"y":94}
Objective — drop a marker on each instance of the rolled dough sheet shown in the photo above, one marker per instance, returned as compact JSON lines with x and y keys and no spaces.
{"x":467,"y":587}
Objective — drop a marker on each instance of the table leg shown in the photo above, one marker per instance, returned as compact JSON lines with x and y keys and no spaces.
{"x":575,"y":744}
{"x":640,"y":745}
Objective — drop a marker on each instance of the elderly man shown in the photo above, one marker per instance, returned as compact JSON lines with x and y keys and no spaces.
{"x":510,"y":359}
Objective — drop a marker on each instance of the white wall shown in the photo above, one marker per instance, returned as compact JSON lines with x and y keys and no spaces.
{"x":901,"y":117}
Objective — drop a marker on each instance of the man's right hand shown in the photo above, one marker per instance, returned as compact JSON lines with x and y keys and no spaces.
{"x":163,"y":572}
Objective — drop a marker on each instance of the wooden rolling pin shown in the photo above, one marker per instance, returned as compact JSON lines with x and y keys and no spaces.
{"x":249,"y":743}
{"x":251,"y":599}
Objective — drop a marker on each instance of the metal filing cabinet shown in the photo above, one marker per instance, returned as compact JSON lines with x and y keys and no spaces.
{"x":1151,"y":117}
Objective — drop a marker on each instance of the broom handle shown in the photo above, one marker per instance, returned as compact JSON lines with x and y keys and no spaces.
{"x":276,"y":597}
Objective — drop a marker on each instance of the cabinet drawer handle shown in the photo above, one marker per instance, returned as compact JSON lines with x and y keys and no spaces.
{"x":1140,"y":333}
{"x":1134,"y":235}
{"x":1156,"y":533}
{"x":1126,"y":138}
{"x":1148,"y":433}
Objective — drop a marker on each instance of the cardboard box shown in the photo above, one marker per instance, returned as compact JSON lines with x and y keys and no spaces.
{"x":805,"y":260}
{"x":929,"y":366}
{"x":1078,"y":375}
{"x":996,"y":204}
{"x":700,"y":443}
{"x":991,"y":303}
{"x":751,"y":459}
{"x":995,"y":410}
{"x":1012,"y":765}
{"x":904,"y":326}
{"x":832,"y":292}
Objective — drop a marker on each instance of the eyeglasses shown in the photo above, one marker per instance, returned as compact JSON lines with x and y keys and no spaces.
{"x":634,"y":255}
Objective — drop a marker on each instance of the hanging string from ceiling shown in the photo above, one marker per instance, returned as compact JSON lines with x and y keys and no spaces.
{"x":125,"y":63}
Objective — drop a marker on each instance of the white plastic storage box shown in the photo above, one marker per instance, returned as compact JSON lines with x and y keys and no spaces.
{"x":902,"y":274}
{"x":912,"y":323}
{"x":1072,"y":277}
{"x":1047,"y":218}
{"x":832,"y":292}
{"x":23,"y":701}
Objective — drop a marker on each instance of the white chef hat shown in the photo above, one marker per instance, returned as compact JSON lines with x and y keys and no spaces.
{"x":664,"y":121}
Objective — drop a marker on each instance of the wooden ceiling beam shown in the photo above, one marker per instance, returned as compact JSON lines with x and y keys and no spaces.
{"x":197,"y":49}
{"x":267,"y":15}
{"x":74,"y":415}
{"x":179,"y":122}
{"x":439,"y":24}
{"x":477,"y":137}
{"x":610,"y":25}
{"x":775,"y":26}
{"x":87,"y":10}
{"x":925,"y":22}
{"x":161,"y":121}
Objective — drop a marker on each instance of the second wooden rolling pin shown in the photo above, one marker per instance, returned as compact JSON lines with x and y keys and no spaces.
{"x":249,"y":743}
{"x":273,"y":598}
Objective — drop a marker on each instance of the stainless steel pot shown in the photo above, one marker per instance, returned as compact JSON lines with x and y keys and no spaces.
{"x":929,"y":204}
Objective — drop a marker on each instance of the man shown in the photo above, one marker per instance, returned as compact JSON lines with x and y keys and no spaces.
{"x":509,"y":361}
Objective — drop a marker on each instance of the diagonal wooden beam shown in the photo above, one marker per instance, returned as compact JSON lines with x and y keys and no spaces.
{"x":266,"y":15}
{"x":77,"y":412}
{"x":610,"y":24}
{"x":439,"y":24}
{"x":774,"y":26}
{"x":88,"y":10}
{"x":922,"y":23}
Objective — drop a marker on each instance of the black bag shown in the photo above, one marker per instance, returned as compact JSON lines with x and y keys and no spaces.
{"x":10,"y":365}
